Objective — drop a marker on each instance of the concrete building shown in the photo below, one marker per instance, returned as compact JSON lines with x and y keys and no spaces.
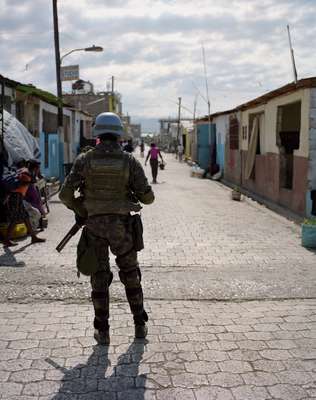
{"x":84,"y":98}
{"x":272,"y":147}
{"x":132,"y":131}
{"x":170,"y":135}
{"x":37,"y":110}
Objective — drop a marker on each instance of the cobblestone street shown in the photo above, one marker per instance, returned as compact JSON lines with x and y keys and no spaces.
{"x":230,"y":293}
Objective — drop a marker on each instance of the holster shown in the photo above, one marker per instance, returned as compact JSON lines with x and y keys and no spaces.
{"x":137,"y":231}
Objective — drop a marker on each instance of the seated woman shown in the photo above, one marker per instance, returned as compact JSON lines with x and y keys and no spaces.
{"x":32,"y":200}
{"x":16,"y":211}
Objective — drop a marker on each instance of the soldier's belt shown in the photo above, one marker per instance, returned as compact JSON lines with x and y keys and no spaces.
{"x":111,"y":217}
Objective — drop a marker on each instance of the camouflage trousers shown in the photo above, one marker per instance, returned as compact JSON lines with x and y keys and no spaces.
{"x":113,"y":232}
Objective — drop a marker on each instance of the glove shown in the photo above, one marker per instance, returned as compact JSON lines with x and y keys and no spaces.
{"x":80,"y":220}
{"x":79,"y":208}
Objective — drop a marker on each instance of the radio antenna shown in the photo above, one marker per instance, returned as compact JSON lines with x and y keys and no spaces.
{"x":292,"y":55}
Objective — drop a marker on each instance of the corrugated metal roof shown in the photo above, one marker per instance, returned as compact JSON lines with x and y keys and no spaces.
{"x":42,"y":94}
{"x":286,"y":89}
{"x":9,"y":82}
{"x":217,"y":114}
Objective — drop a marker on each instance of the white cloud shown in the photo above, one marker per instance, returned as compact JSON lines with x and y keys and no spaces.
{"x":153,"y":47}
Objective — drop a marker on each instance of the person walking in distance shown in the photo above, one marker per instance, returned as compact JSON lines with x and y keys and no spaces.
{"x":153,"y":154}
{"x":142,"y":149}
{"x":114,"y":184}
{"x":180,"y":152}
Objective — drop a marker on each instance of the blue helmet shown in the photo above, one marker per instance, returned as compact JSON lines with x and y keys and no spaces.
{"x":107,"y":122}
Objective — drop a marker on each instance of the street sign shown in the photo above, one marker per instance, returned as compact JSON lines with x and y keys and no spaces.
{"x":69,"y":73}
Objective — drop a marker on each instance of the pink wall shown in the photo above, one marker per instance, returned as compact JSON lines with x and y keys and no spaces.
{"x":266,"y":180}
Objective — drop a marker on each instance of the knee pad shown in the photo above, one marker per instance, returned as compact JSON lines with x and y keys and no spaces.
{"x":101,"y":279}
{"x":131,"y":277}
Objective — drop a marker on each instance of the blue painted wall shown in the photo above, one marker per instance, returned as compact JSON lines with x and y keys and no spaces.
{"x":204,"y":144}
{"x":308,"y":209}
{"x":55,"y":156}
{"x":220,"y":153}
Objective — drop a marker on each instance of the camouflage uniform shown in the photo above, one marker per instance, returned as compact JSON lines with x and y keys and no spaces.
{"x":110,"y":230}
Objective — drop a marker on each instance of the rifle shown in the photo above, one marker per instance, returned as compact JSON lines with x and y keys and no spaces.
{"x":74,"y":229}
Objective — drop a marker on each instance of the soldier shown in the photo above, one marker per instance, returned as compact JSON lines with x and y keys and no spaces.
{"x":113,"y":183}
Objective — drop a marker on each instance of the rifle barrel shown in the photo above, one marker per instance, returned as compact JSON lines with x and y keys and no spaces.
{"x":74,"y":229}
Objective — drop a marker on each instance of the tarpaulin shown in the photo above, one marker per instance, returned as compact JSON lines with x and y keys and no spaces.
{"x":18,"y":141}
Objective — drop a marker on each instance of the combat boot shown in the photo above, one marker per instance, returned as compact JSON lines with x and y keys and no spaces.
{"x":141,"y":331}
{"x":102,"y":337}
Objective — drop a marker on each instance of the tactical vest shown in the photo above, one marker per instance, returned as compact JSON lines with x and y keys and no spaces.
{"x":106,"y":184}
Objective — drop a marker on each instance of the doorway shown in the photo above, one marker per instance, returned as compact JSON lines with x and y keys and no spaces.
{"x":288,"y":140}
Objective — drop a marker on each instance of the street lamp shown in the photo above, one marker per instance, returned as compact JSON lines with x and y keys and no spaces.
{"x":91,"y":48}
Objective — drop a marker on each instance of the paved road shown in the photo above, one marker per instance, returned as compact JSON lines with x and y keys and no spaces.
{"x":199,"y":245}
{"x":195,"y":351}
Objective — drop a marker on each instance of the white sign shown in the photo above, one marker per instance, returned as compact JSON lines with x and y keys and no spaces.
{"x":69,"y":73}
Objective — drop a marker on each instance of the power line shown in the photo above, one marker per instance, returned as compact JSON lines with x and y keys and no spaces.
{"x":11,"y":33}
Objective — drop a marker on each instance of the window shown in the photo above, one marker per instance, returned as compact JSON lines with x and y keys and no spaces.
{"x":49,"y":122}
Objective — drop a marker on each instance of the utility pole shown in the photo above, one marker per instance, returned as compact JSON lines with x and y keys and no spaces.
{"x":292,"y":54}
{"x":113,"y":96}
{"x":58,"y":79}
{"x":194,"y":108}
{"x":207,"y":96}
{"x":179,"y":120}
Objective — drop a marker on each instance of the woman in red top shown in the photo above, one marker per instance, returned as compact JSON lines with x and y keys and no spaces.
{"x":153,"y":153}
{"x":16,"y":211}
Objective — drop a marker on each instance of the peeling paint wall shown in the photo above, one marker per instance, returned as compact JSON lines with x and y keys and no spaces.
{"x":222,"y":123}
{"x":232,"y":157}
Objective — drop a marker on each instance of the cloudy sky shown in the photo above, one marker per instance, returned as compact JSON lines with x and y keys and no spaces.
{"x":154,"y":48}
